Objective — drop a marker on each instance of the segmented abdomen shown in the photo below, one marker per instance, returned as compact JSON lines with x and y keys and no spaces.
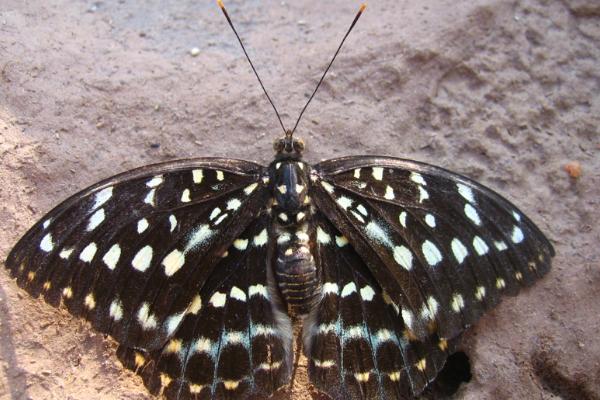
{"x":296,"y":272}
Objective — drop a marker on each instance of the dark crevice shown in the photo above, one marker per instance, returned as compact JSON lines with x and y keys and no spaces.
{"x":456,"y":371}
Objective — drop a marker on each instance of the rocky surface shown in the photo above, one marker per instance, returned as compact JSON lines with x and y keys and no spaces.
{"x":506,"y":92}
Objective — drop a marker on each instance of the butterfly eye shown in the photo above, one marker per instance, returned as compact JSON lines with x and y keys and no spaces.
{"x":279,"y":145}
{"x":299,"y":145}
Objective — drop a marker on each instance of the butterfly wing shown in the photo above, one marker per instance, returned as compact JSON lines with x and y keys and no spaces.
{"x":235,"y":342}
{"x":442,"y":247}
{"x":131,"y":252}
{"x":359,"y":346}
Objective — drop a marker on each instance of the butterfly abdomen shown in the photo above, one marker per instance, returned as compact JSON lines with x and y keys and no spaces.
{"x":293,"y":263}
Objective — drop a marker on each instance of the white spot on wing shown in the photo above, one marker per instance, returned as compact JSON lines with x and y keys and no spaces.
{"x":480,"y":293}
{"x":89,"y":301}
{"x":517,"y":235}
{"x":237,"y":293}
{"x":173,"y":322}
{"x":46,"y":244}
{"x":185,"y":196}
{"x":389,"y":193}
{"x":261,"y":238}
{"x":197,"y":176}
{"x":88,"y":253}
{"x":146,"y":319}
{"x":111,"y":258}
{"x":480,"y":246}
{"x":417,"y":178}
{"x":348,"y":289}
{"x":218,"y":300}
{"x":357,"y":173}
{"x":102,"y":197}
{"x":324,"y":363}
{"x":46,"y":223}
{"x":430,"y":220}
{"x":250,"y":188}
{"x":214,"y":213}
{"x":220,"y":175}
{"x":322,"y":236}
{"x":367,"y":293}
{"x":458,"y":303}
{"x":173,"y":222}
{"x":500,"y":245}
{"x":431,"y":253}
{"x":95,"y":220}
{"x":344,"y":202}
{"x":433,"y":306}
{"x":154,"y":182}
{"x":65,"y":253}
{"x":407,"y":317}
{"x":327,"y":186}
{"x":377,"y":173}
{"x":283,"y":238}
{"x":149,"y":199}
{"x":466,"y":192}
{"x":423,"y":195}
{"x":258,"y":290}
{"x":233,"y":204}
{"x":402,"y":219}
{"x":173,"y":262}
{"x":361,"y":209}
{"x":142,"y":259}
{"x":500,"y":283}
{"x":330,"y":287}
{"x":459,"y":250}
{"x":240,"y":244}
{"x":115,"y":310}
{"x":341,"y":241}
{"x":471,"y":213}
{"x":142,"y":225}
{"x":404,"y":257}
{"x":516,"y":216}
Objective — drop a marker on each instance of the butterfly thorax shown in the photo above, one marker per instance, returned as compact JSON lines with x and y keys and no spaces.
{"x":293,"y":264}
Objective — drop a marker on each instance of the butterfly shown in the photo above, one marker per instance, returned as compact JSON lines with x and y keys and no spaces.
{"x":199,"y":269}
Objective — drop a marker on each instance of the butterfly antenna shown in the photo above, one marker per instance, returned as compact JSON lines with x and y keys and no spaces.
{"x":360,"y":11}
{"x":222,"y":6}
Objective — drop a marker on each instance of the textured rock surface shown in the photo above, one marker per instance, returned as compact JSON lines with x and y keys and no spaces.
{"x":504,"y":92}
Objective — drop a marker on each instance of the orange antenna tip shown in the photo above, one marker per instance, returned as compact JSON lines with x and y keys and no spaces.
{"x":362,"y":7}
{"x":220,"y":3}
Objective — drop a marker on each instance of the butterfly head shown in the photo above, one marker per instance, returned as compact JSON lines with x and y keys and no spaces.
{"x":288,"y":147}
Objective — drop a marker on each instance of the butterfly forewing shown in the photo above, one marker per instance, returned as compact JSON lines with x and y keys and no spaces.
{"x":130,"y":253}
{"x":459,"y":244}
{"x":234,"y":342}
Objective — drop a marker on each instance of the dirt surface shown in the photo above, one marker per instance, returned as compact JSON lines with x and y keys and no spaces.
{"x":504,"y":92}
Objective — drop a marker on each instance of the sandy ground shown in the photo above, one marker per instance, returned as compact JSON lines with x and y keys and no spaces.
{"x":506,"y":92}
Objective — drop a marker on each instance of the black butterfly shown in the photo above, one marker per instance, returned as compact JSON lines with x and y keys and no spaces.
{"x":197,"y":267}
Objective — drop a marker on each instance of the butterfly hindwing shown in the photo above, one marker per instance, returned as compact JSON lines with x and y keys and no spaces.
{"x":441,"y":245}
{"x":234,"y":343}
{"x":130,"y":252}
{"x":358,"y":341}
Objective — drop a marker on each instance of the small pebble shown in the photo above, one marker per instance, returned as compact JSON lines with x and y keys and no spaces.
{"x":194,"y":51}
{"x":573,"y":168}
